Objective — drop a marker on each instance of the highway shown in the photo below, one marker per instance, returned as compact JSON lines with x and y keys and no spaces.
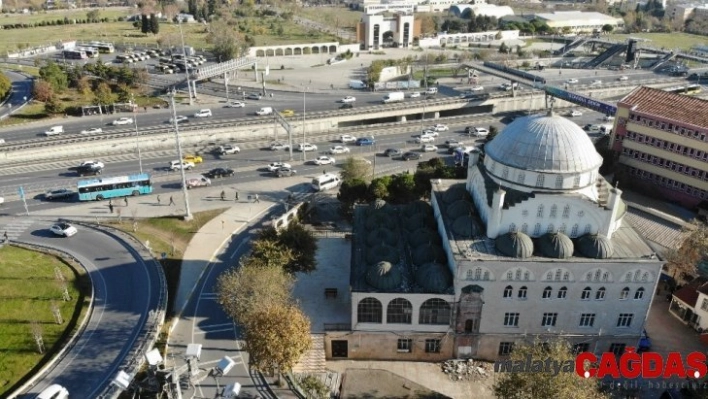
{"x":21,"y":91}
{"x":124,"y":293}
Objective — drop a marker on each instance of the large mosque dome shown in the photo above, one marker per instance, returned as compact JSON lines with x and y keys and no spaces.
{"x":546,"y":144}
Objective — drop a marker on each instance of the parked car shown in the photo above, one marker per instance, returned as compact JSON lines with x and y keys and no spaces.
{"x":219,"y":172}
{"x":392,"y":152}
{"x":277,"y":165}
{"x":324,"y":160}
{"x":478,"y":132}
{"x":179,"y":119}
{"x":306,"y":147}
{"x":408,"y":156}
{"x":63,"y":229}
{"x":365,"y":141}
{"x":608,"y":118}
{"x":278,"y":146}
{"x":287,"y":112}
{"x":195,"y":159}
{"x":178,"y":165}
{"x":122,"y":121}
{"x":94,"y":130}
{"x":61,"y":193}
{"x":236,"y":104}
{"x":348,"y":99}
{"x":346,"y":138}
{"x":229,"y":149}
{"x":203,"y":113}
{"x":339,"y":149}
{"x":253,"y":96}
{"x":54,"y":391}
{"x":284,"y":172}
{"x":575,"y":113}
{"x":429,"y":148}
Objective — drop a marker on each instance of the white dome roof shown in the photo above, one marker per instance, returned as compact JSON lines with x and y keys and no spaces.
{"x":544,"y":143}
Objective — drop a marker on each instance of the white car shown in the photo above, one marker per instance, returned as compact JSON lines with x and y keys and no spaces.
{"x":278,"y":165}
{"x":203,"y":113}
{"x":229,"y":149}
{"x":123,"y":121}
{"x":429,"y":148}
{"x":278,"y":146}
{"x":476,"y":89}
{"x":480,"y":132}
{"x":324,"y":160}
{"x":574,"y":113}
{"x":2,"y":200}
{"x":415,"y":94}
{"x":236,"y":104}
{"x":430,"y":132}
{"x":339,"y":149}
{"x":180,"y":118}
{"x":623,"y":78}
{"x":440,"y":128}
{"x":306,"y":147}
{"x":348,"y":99}
{"x":572,"y":81}
{"x":424,"y":139}
{"x":63,"y":229}
{"x":177,"y":165}
{"x":93,"y":164}
{"x":608,"y":118}
{"x":94,"y":130}
{"x":54,"y":391}
{"x":596,"y":82}
{"x":346,"y":138}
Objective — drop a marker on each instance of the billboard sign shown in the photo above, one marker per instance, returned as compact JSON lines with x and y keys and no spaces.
{"x":584,"y":101}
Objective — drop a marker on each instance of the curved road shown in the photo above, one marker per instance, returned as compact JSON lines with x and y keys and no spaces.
{"x":21,"y":91}
{"x":124,"y":293}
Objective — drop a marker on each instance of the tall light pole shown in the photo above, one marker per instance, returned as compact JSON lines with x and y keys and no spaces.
{"x":188,"y":213}
{"x":137,"y":133}
{"x":304,"y":111}
{"x":186,"y":65}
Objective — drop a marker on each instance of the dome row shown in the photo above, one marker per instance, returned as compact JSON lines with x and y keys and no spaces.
{"x":554,"y":245}
{"x":433,"y":276}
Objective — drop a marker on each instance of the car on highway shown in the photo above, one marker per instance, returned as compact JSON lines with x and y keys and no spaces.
{"x":339,"y":149}
{"x":477,"y":131}
{"x":596,"y":82}
{"x":572,"y":81}
{"x":348,"y":99}
{"x":439,"y":128}
{"x":392,"y":152}
{"x":61,"y":193}
{"x":54,"y":391}
{"x":54,"y":130}
{"x":346,"y":106}
{"x":195,"y":159}
{"x":362,"y":141}
{"x":424,"y":139}
{"x":452,"y":143}
{"x":408,"y":156}
{"x":429,"y":132}
{"x":324,"y":160}
{"x":203,"y":113}
{"x":219,"y":172}
{"x":623,"y":78}
{"x":2,"y":200}
{"x":306,"y":147}
{"x":94,"y":130}
{"x":122,"y":121}
{"x":476,"y":89}
{"x":177,"y":165}
{"x":236,"y":104}
{"x":272,"y":167}
{"x":285,"y":172}
{"x":575,"y":113}
{"x":179,"y":119}
{"x":89,"y":170}
{"x":346,"y":138}
{"x":254,"y":96}
{"x":429,"y":148}
{"x":287,"y":112}
{"x":415,"y":94}
{"x":95,"y":164}
{"x":228,"y":149}
{"x":278,"y":146}
{"x":64,"y":230}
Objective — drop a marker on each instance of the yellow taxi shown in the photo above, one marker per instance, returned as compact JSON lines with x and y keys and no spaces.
{"x":195,"y":159}
{"x":288,"y":112}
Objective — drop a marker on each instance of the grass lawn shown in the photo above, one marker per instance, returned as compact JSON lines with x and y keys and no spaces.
{"x":30,"y":70}
{"x":111,"y":13}
{"x":331,"y":16}
{"x":170,"y":235}
{"x":670,"y":41}
{"x":30,"y":112}
{"x":27,"y":288}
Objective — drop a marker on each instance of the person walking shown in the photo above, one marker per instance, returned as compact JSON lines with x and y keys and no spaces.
{"x":172,"y":201}
{"x":110,"y":207}
{"x":158,"y":200}
{"x":223,"y":195}
{"x":4,"y":237}
{"x":236,"y":197}
{"x":125,"y":199}
{"x":255,"y":198}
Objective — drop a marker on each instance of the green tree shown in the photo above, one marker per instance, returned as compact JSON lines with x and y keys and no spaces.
{"x":242,"y":290}
{"x":378,"y":189}
{"x":269,"y":253}
{"x":42,"y":90}
{"x":5,"y":85}
{"x":192,"y":7}
{"x":102,"y":94}
{"x":503,"y":48}
{"x":93,"y":15}
{"x":607,"y":29}
{"x":53,"y":105}
{"x":55,"y":76}
{"x":545,"y":385}
{"x":314,"y":388}
{"x":144,"y":24}
{"x":84,"y":86}
{"x":154,"y":24}
{"x":402,"y":188}
{"x":303,"y":245}
{"x":493,"y":131}
{"x":356,"y":169}
{"x":277,"y":335}
{"x":227,"y":43}
{"x":350,"y":193}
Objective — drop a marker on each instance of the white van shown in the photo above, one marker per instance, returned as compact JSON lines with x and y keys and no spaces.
{"x":325,"y":182}
{"x":357,"y":84}
{"x":55,"y":391}
{"x":264,"y":111}
{"x":54,"y":130}
{"x":432,"y":90}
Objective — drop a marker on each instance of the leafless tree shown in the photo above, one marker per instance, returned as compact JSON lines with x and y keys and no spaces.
{"x":134,"y":214}
{"x":36,"y":330}
{"x":61,"y":282}
{"x":56,"y":311}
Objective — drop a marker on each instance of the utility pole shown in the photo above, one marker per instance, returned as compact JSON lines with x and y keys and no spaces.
{"x":304,"y":110}
{"x":188,"y":213}
{"x":137,"y":134}
{"x":186,"y":67}
{"x":226,"y":86}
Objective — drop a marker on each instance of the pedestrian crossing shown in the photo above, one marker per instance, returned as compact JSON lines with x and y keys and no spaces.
{"x":14,"y":228}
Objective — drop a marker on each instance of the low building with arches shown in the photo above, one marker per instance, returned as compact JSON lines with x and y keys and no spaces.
{"x":287,"y":50}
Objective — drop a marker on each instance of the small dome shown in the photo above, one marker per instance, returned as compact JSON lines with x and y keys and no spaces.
{"x":465,"y":227}
{"x":516,"y":245}
{"x":419,"y":220}
{"x":434,"y":277}
{"x":417,"y":207}
{"x":428,"y":253}
{"x":384,"y":276}
{"x":595,"y":246}
{"x":556,"y":245}
{"x":383,"y":253}
{"x":378,"y":204}
{"x":455,"y":193}
{"x":460,"y":208}
{"x":379,"y":219}
{"x":381,"y":236}
{"x":423,"y":236}
{"x":544,"y":143}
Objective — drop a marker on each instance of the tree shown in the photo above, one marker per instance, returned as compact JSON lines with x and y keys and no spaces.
{"x":428,"y":24}
{"x":227,"y":43}
{"x":269,"y":253}
{"x":356,"y":169}
{"x":303,"y":245}
{"x":154,"y":24}
{"x":192,"y":7}
{"x":503,"y":48}
{"x":53,"y":105}
{"x":314,"y":388}
{"x":145,"y":24}
{"x":93,"y":15}
{"x":607,"y":28}
{"x":5,"y":85}
{"x":243,"y":290}
{"x":103,"y":94}
{"x":42,"y":90}
{"x":566,"y":384}
{"x":56,"y":77}
{"x":402,"y":188}
{"x":351,"y":192}
{"x":493,"y":131}
{"x":692,"y":250}
{"x":277,"y":335}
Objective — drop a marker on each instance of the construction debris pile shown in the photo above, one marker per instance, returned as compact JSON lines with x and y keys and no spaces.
{"x":468,"y":369}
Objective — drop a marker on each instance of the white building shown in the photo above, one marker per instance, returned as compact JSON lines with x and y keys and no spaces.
{"x":579,"y":21}
{"x":480,"y":7}
{"x":690,"y":304}
{"x":386,"y":25}
{"x":682,"y":12}
{"x":531,"y":246}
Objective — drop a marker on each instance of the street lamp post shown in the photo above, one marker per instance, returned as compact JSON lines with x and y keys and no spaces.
{"x":186,"y":67}
{"x":188,"y":213}
{"x":304,"y":111}
{"x":137,"y":133}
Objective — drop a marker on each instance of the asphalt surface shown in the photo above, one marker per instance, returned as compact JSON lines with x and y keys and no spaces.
{"x":21,"y":92}
{"x":124,"y":293}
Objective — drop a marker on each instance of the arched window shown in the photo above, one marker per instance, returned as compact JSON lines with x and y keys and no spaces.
{"x":547,"y":292}
{"x":470,"y":275}
{"x":525,"y":228}
{"x":508,"y":291}
{"x":566,"y":276}
{"x":505,"y":173}
{"x":628,"y":276}
{"x":636,"y":275}
{"x":486,"y":275}
{"x":588,"y":228}
{"x":527,"y":276}
{"x":471,"y":325}
{"x":574,"y":231}
{"x":369,"y":310}
{"x":625,"y":293}
{"x":562,"y":293}
{"x":512,"y":228}
{"x":576,"y":182}
{"x":588,"y":276}
{"x":597,"y":274}
{"x":509,"y":275}
{"x":549,"y":276}
{"x":550,"y":228}
{"x":539,"y":180}
{"x":558,"y":274}
{"x":399,"y":311}
{"x":523,"y":291}
{"x":539,"y":212}
{"x":586,"y":293}
{"x":520,"y":178}
{"x":600,"y":294}
{"x":606,"y":276}
{"x":537,"y":229}
{"x":554,"y":210}
{"x":566,"y":212}
{"x":562,"y":228}
{"x":645,"y":277}
{"x":478,"y":273}
{"x":435,"y":311}
{"x":639,"y":294}
{"x":518,"y":274}
{"x":559,"y":181}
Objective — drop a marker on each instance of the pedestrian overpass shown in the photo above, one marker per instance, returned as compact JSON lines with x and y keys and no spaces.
{"x":581,"y":100}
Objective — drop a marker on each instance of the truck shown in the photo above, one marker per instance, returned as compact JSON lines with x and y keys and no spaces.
{"x":54,"y":130}
{"x":393,"y":97}
{"x":197,"y":181}
{"x":357,"y":84}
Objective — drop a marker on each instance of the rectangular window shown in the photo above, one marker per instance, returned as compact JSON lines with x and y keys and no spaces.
{"x":505,"y":348}
{"x":580,"y":348}
{"x":511,"y":319}
{"x":405,"y":345}
{"x":625,"y":320}
{"x":704,"y":304}
{"x":587,"y":319}
{"x":432,"y":346}
{"x":617,"y":349}
{"x":549,"y":319}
